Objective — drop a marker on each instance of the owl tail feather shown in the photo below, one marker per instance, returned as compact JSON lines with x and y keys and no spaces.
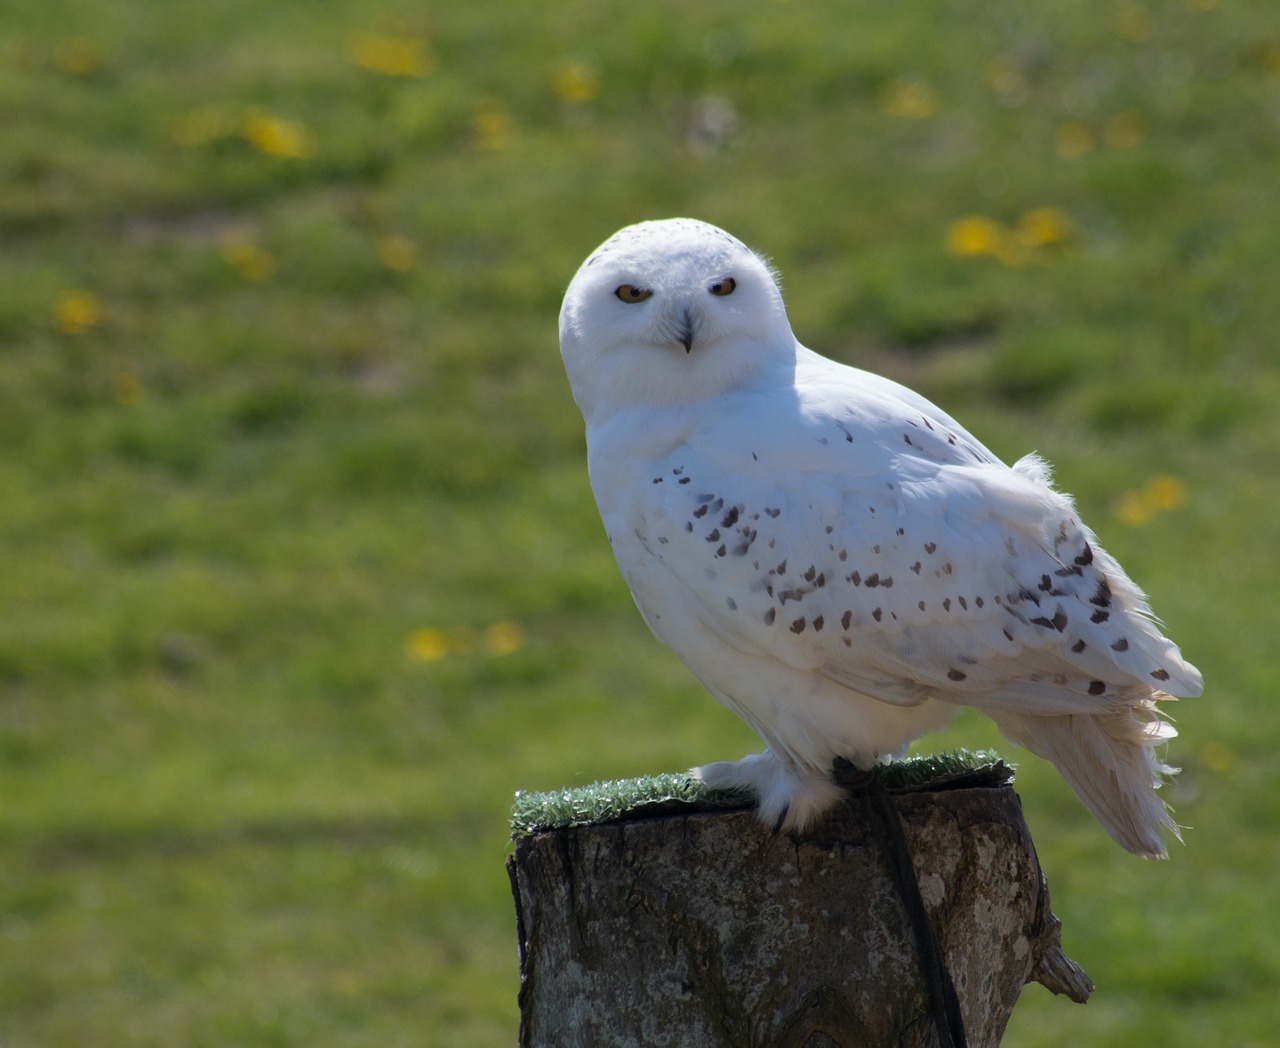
{"x":1107,"y":759}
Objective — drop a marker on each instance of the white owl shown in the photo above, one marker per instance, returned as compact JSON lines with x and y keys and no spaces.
{"x":836,"y":559}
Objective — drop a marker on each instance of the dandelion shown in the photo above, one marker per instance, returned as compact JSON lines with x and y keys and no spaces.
{"x":1159,"y":495}
{"x":276,"y":136}
{"x":250,"y":258}
{"x":77,"y":56}
{"x":576,"y":83}
{"x":503,"y":638}
{"x":426,"y":645}
{"x":492,"y":125}
{"x":1072,"y":139}
{"x":1133,"y":22}
{"x":1125,"y":130}
{"x":912,"y":99}
{"x":127,"y":386}
{"x":1045,"y":226}
{"x":1217,"y":757}
{"x":974,"y":235}
{"x":1134,"y":510}
{"x":390,"y":55}
{"x":397,"y":253}
{"x":203,"y":125}
{"x":77,"y":312}
{"x":1165,"y":492}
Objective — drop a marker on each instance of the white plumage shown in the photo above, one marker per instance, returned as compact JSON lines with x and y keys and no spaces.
{"x":835,"y":558}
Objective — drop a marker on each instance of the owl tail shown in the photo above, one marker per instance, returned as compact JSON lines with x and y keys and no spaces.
{"x":1107,"y":759}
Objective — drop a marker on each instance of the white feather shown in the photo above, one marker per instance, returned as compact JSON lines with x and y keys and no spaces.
{"x":837,"y":559}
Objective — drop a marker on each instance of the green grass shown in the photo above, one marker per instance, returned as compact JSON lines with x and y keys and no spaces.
{"x":254,"y":484}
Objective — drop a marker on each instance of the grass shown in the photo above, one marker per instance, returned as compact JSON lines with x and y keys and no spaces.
{"x":303,"y":579}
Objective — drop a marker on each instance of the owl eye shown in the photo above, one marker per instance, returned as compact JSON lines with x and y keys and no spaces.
{"x":723,"y":287}
{"x":631,"y":293}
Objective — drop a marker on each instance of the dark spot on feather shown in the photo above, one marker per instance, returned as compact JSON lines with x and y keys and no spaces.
{"x":770,"y":615}
{"x":1102,"y":595}
{"x":978,"y":601}
{"x":720,"y":550}
{"x":845,"y":619}
{"x":1007,"y":635}
{"x":811,"y":573}
{"x":685,"y":480}
{"x":1046,"y":583}
{"x":818,"y":623}
{"x":730,"y":518}
{"x":1086,"y":556}
{"x":916,"y":567}
{"x":772,"y":512}
{"x":929,"y":547}
{"x":956,"y":675}
{"x":658,"y":480}
{"x":1099,"y":616}
{"x":946,"y":604}
{"x":1160,"y":674}
{"x":963,"y":603}
{"x":887,"y":581}
{"x":713,"y":535}
{"x":700,"y":512}
{"x":1121,"y":645}
{"x":830,"y":529}
{"x":855,"y":578}
{"x":731,"y":603}
{"x":798,"y":625}
{"x":1079,"y":646}
{"x":901,"y":532}
{"x":688,"y":525}
{"x":873,"y":580}
{"x":1097,"y":687}
{"x":920,"y":605}
{"x":876,"y":614}
{"x":844,"y":554}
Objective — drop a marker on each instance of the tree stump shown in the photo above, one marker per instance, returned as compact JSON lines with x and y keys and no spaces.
{"x":693,"y":925}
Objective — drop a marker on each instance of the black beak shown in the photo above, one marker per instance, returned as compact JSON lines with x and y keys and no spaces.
{"x":685,"y":332}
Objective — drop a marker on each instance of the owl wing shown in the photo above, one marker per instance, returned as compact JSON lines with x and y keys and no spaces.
{"x":887,"y":550}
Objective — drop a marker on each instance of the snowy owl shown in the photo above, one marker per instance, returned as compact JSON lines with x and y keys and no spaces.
{"x":836,"y":559}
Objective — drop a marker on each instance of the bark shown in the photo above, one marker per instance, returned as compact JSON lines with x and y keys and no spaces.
{"x":701,"y":928}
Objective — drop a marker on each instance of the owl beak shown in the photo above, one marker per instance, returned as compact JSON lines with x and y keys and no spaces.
{"x":685,"y":330}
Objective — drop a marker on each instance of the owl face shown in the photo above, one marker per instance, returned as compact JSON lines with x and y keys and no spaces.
{"x":668,"y":312}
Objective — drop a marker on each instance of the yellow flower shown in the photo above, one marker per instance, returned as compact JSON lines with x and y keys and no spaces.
{"x":397,"y":253}
{"x":390,"y":55}
{"x":1134,"y":510}
{"x":248,"y":256}
{"x":1072,"y":139}
{"x":1133,"y":23}
{"x":913,"y":99}
{"x":503,"y":638}
{"x":127,"y":386}
{"x":206,"y":124}
{"x":76,"y":312}
{"x":492,"y":125}
{"x":576,"y":83}
{"x":1158,"y":495}
{"x":77,"y":56}
{"x":426,"y":645}
{"x":974,"y":235}
{"x":1042,"y":226}
{"x":1217,"y":757}
{"x":276,"y":136}
{"x":1125,"y":130}
{"x":1165,"y":492}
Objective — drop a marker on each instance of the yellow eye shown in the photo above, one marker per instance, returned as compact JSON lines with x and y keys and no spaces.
{"x":631,"y":293}
{"x":723,"y":287}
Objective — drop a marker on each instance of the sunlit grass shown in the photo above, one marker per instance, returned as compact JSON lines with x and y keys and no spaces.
{"x":303,"y":578}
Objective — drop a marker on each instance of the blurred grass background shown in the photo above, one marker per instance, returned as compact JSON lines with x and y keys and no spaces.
{"x":302,"y":578}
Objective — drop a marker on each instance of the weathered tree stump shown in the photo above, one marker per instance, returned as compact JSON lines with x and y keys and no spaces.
{"x":698,"y":927}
